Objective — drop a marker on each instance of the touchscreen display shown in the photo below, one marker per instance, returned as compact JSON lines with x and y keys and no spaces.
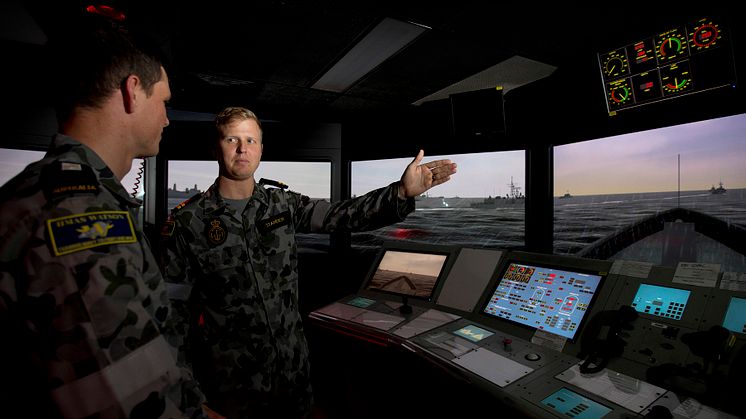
{"x":735,"y":317}
{"x":661,"y":301}
{"x":552,"y":299}
{"x":571,"y":404}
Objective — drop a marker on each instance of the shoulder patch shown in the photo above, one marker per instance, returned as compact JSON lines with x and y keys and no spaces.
{"x":78,"y":232}
{"x":168,"y":227}
{"x":274,"y":183}
{"x":61,"y":179}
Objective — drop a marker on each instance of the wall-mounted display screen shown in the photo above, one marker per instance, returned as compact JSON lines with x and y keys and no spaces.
{"x":408,"y":273}
{"x":478,"y":114}
{"x":661,"y":301}
{"x":735,"y":317}
{"x":689,"y":58}
{"x":552,"y":299}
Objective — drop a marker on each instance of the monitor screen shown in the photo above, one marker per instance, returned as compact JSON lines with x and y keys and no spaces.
{"x":408,"y":273}
{"x":552,"y":299}
{"x":478,"y":114}
{"x":569,"y":403}
{"x":473,"y":333}
{"x":735,"y":317}
{"x":676,"y":61}
{"x":661,"y":301}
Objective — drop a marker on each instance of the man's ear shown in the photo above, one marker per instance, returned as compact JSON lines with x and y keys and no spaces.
{"x":130,"y":90}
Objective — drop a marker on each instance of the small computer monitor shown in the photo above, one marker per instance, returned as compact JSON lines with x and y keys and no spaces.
{"x":554,"y":299}
{"x":661,"y":301}
{"x":735,"y":316}
{"x":478,"y":114}
{"x":412,"y":273}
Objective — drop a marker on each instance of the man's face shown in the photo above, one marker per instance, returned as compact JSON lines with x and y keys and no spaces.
{"x":240,"y":150}
{"x":153,"y":117}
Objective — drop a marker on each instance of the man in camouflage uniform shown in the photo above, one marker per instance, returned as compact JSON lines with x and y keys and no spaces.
{"x":83,"y":306}
{"x":231,"y":268}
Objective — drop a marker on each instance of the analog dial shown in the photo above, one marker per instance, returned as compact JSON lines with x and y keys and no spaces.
{"x":614,"y":64}
{"x":676,"y":78}
{"x":704,"y":35}
{"x":671,"y":45}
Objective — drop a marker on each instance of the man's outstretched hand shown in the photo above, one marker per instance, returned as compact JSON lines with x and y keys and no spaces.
{"x":418,"y":178}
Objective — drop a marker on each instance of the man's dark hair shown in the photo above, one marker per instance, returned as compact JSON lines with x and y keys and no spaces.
{"x":92,"y":59}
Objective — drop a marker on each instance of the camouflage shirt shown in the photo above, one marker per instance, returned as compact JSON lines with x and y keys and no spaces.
{"x":233,"y":277}
{"x":83,"y":306}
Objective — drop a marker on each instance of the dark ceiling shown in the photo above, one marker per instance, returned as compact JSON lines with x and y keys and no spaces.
{"x":267,"y":55}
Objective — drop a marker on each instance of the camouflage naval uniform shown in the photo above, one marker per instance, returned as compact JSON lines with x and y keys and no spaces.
{"x":233,"y":276}
{"x":83,"y":306}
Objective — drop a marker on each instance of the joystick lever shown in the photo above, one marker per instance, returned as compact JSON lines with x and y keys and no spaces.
{"x":405,"y":308}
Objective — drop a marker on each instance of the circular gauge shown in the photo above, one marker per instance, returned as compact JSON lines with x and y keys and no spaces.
{"x":619,"y":93}
{"x":671,"y":45}
{"x":615,"y":64}
{"x":676,"y":78}
{"x":705,"y":35}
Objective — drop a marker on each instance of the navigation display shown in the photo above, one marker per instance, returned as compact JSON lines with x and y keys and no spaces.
{"x":661,"y":301}
{"x":735,"y":317}
{"x":408,"y":273}
{"x":552,"y":299}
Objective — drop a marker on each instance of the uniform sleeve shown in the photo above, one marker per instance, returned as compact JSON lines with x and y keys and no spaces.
{"x":177,"y":272}
{"x":376,"y":209}
{"x":23,"y":392}
{"x":86,"y":318}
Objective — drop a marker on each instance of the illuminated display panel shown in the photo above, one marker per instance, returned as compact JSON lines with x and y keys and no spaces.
{"x":473,"y":333}
{"x":552,"y":299}
{"x":661,"y":301}
{"x":735,"y":317}
{"x":678,"y":61}
{"x":571,"y":404}
{"x":408,"y":273}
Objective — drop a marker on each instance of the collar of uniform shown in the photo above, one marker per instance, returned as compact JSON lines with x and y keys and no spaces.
{"x":77,"y":152}
{"x":261,"y":194}
{"x":213,"y":203}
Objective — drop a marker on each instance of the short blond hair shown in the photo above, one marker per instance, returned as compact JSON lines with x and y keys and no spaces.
{"x":232,"y":114}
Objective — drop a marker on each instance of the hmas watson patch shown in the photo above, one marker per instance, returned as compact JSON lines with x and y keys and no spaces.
{"x":78,"y":232}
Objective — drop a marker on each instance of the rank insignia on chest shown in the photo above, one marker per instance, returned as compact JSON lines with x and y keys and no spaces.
{"x":216,"y":231}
